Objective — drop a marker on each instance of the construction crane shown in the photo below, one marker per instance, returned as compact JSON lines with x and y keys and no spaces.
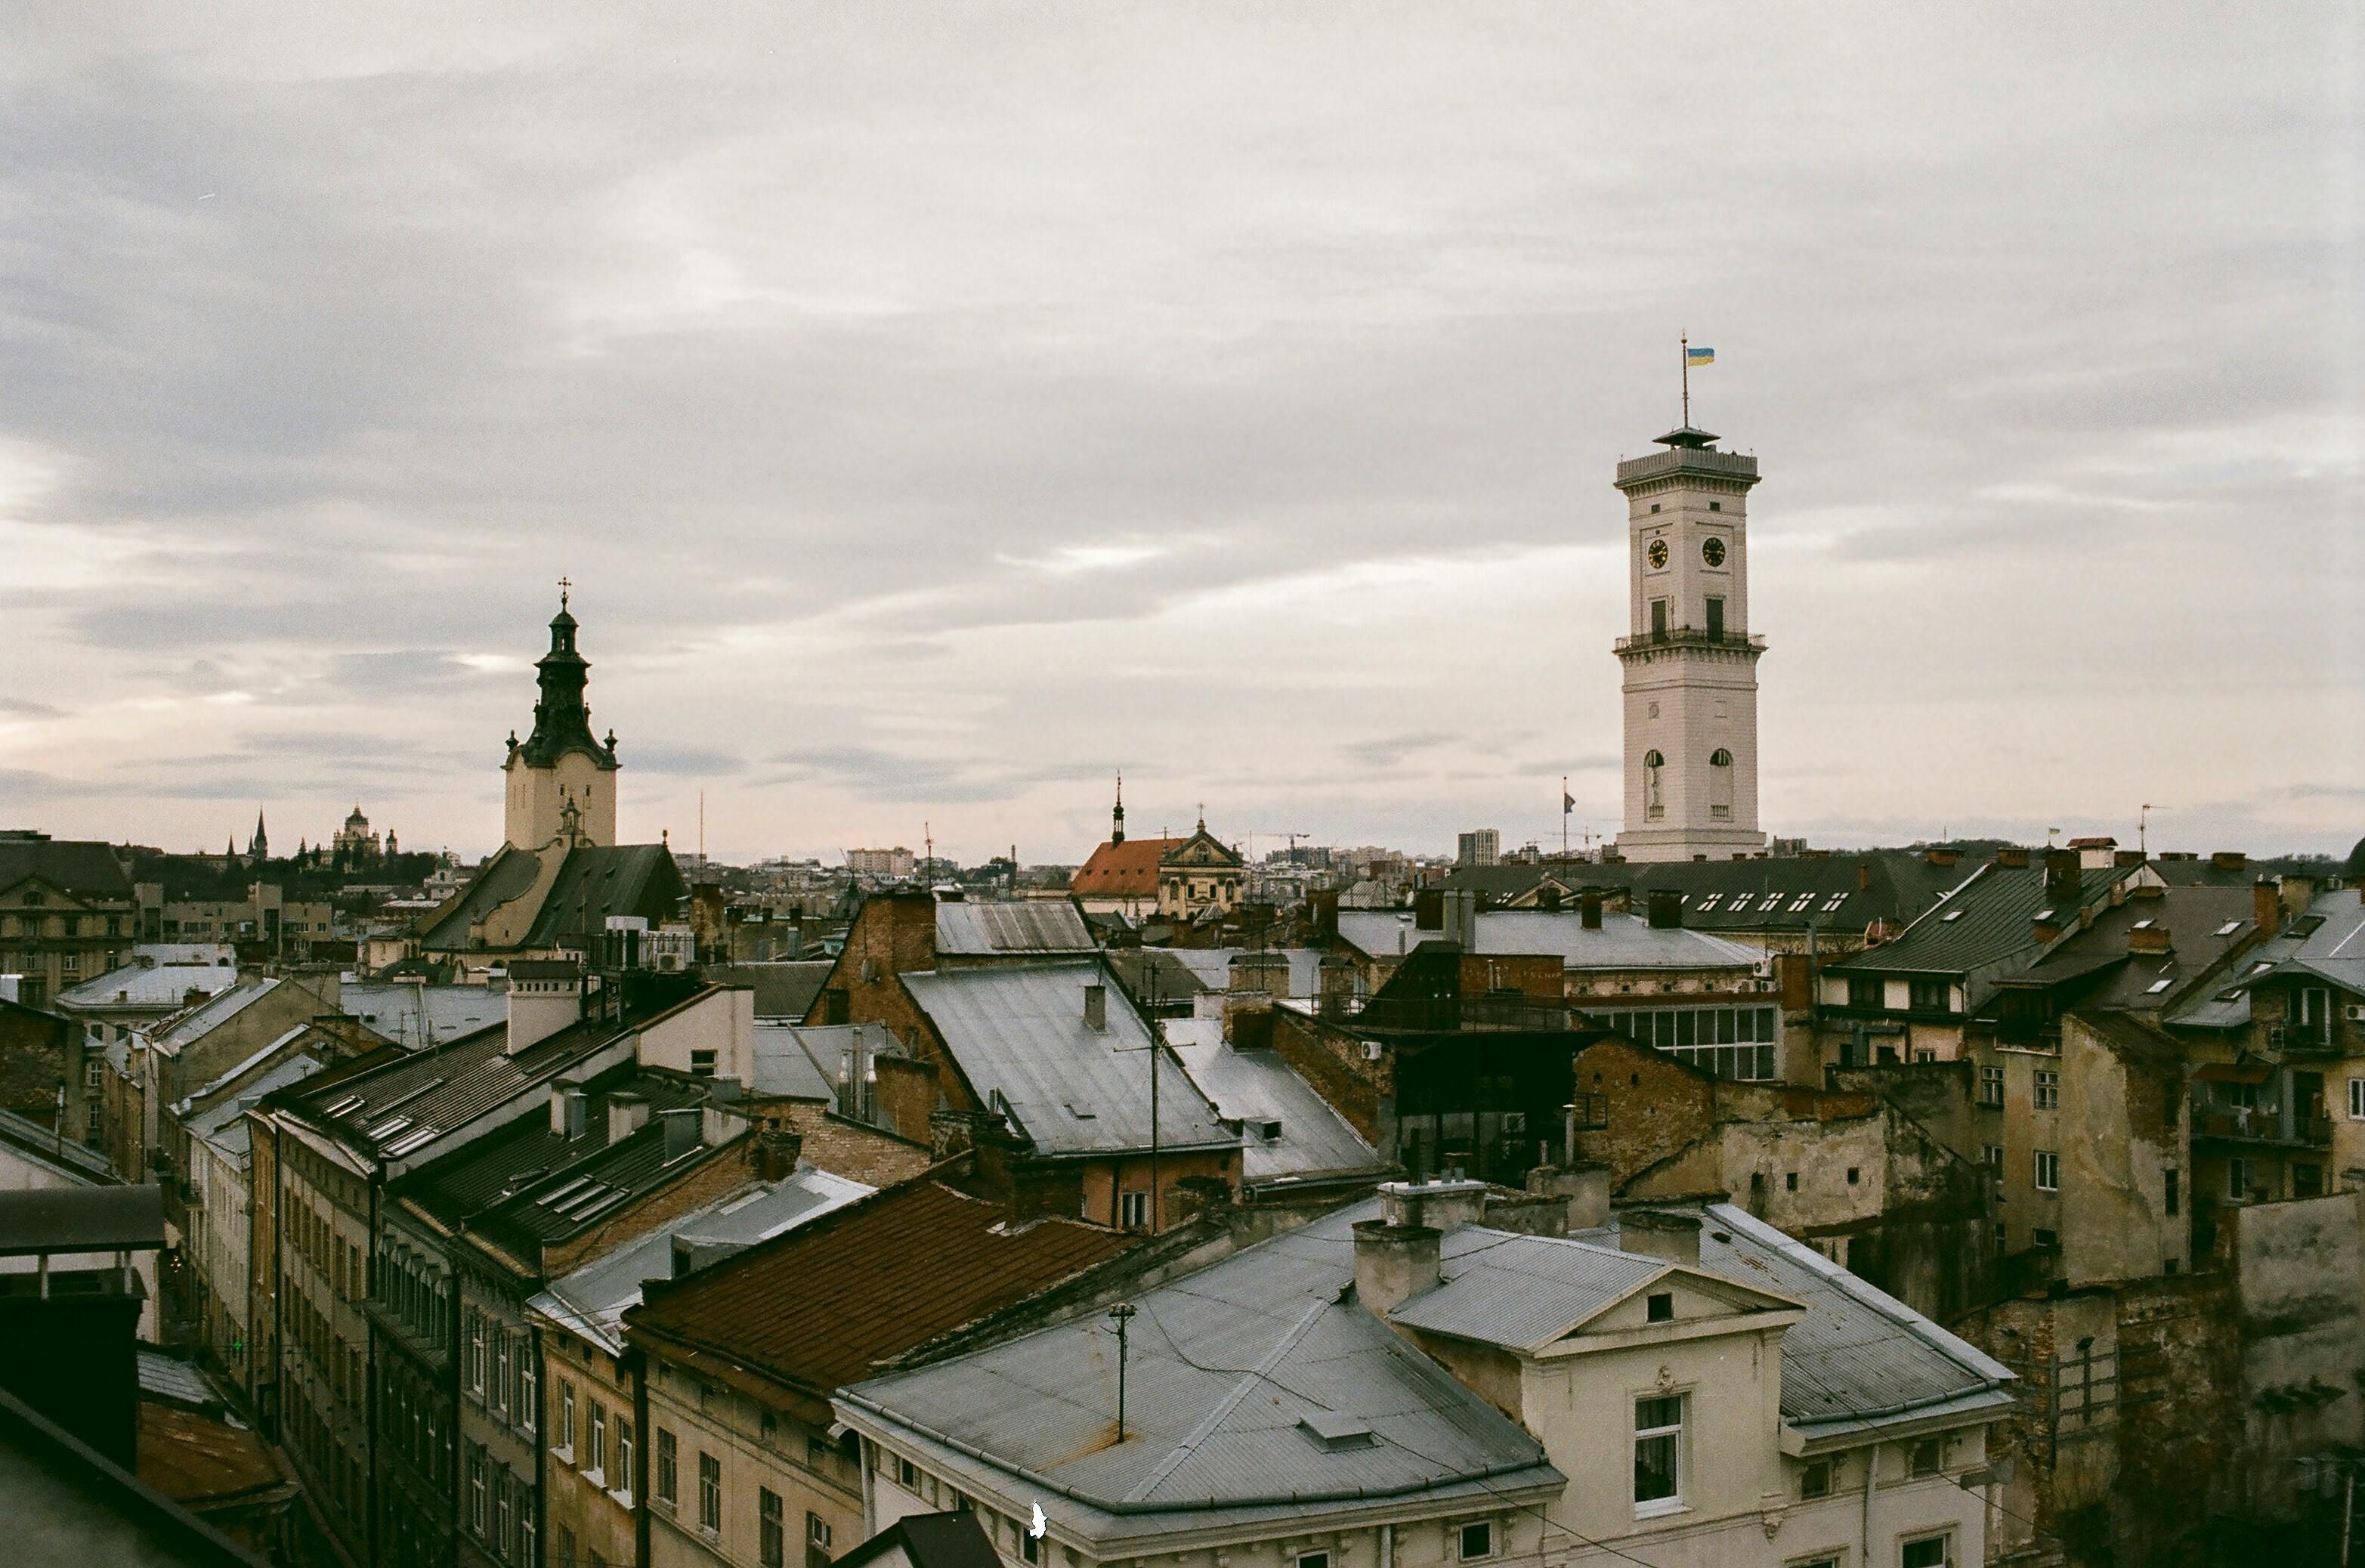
{"x":1292,"y":837}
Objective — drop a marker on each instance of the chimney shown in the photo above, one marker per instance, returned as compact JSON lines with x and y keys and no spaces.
{"x":2147,"y":936}
{"x":681,"y":1130}
{"x":2229,"y":859}
{"x":2266,"y":905}
{"x":544,"y":996}
{"x":2012,"y":858}
{"x":567,"y":1106}
{"x":1654,"y":1234}
{"x":2127,"y":857}
{"x":1096,"y":1007}
{"x":1667,"y":911}
{"x":2061,"y":877}
{"x":1585,"y":1186}
{"x":1428,"y":910}
{"x":1863,"y":876}
{"x":1265,"y":973}
{"x":1588,"y":912}
{"x":1437,"y":1206}
{"x":626,"y":1116}
{"x":1392,"y":1261}
{"x":1944,"y":856}
{"x":777,"y":1151}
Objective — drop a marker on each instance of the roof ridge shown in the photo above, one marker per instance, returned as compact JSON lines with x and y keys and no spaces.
{"x":1229,"y":1402}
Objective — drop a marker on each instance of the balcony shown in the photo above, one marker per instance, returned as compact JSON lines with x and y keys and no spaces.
{"x":2263,"y":1124}
{"x":2301,"y":1040}
{"x":1690,"y":637}
{"x":1689,"y":460}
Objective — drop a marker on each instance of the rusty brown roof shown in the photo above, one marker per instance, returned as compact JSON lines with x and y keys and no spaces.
{"x":1123,"y":870}
{"x":826,"y":1303}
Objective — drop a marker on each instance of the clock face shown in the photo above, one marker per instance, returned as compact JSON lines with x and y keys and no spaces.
{"x":1658,"y":554}
{"x":1712,"y":552}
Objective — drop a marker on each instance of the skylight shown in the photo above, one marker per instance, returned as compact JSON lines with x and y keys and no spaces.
{"x":413,"y":1141}
{"x":1950,"y":914}
{"x":1709,"y":902}
{"x":2230,"y":927}
{"x":2156,"y":986}
{"x":2144,"y":924}
{"x":2045,"y":913}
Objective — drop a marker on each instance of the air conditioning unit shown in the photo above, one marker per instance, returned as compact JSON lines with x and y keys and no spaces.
{"x":2354,"y":1013}
{"x":1371,"y":1050}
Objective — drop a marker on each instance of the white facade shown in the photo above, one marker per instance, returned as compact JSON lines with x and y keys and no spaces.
{"x":1690,"y":663}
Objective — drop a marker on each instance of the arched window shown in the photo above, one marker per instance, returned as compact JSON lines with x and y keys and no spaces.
{"x":1720,"y":785}
{"x":1653,"y":806}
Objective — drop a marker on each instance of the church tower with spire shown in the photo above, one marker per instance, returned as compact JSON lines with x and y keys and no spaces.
{"x":562,"y":782}
{"x":1116,"y":818}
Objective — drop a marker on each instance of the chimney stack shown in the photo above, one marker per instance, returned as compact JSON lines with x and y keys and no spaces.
{"x":1863,"y":876}
{"x":1655,"y":1234}
{"x":1096,"y":1007}
{"x":545,"y":995}
{"x":681,"y":1130}
{"x":567,"y":1102}
{"x":1439,"y":1205}
{"x":2266,"y":905}
{"x":2229,"y":859}
{"x":1944,"y":856}
{"x":626,"y":1116}
{"x":1667,"y":910}
{"x":1585,"y":1186}
{"x":2061,"y":877}
{"x":777,"y":1151}
{"x":1393,"y":1261}
{"x":2148,"y":938}
{"x":1588,"y":912}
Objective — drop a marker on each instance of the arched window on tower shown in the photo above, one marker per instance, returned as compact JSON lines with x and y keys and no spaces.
{"x":1720,"y":785}
{"x":1653,"y":805}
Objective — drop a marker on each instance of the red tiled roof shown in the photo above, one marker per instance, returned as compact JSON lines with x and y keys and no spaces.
{"x":823,"y":1304}
{"x":1127,"y":870}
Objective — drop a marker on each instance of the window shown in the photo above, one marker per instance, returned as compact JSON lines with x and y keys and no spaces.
{"x":2040,"y":1236}
{"x":1994,"y":1156}
{"x":1927,"y":1552}
{"x":566,"y":1421}
{"x":2307,"y":1179}
{"x":1930,"y":996}
{"x":771,"y":1539}
{"x":623,"y":1477}
{"x":1720,"y":761}
{"x":2168,"y":1185}
{"x":1658,"y":621}
{"x":2357,"y":1099}
{"x":1791,"y":1180}
{"x":1991,"y":1086}
{"x":595,"y":1454}
{"x":2238,"y":1178}
{"x":529,"y":1386}
{"x":1654,"y":762}
{"x":501,"y":1373}
{"x":565,"y":1547}
{"x":476,"y":1356}
{"x":2048,"y":1089}
{"x":665,"y":1483}
{"x":1855,"y":1173}
{"x":1658,"y":1445}
{"x":701,"y":1063}
{"x":2048,"y":1170}
{"x":818,"y":1531}
{"x":1929,"y":1456}
{"x":1660,"y":1307}
{"x":1030,"y":1545}
{"x":1815,"y":1480}
{"x":1135,"y":1212}
{"x":1477,"y":1539}
{"x":476,"y":1490}
{"x":1715,"y":622}
{"x":1865,"y":990}
{"x":907,"y":1475}
{"x":710,"y":1494}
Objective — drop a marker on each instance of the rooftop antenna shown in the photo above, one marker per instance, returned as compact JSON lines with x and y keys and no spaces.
{"x":1685,"y":354}
{"x":1120,"y":1315}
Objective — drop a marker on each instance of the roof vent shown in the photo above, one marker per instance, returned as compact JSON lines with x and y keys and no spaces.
{"x":1331,"y":1432}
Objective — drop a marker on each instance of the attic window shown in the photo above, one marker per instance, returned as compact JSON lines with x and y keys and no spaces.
{"x":1081,"y":1113}
{"x":1708,"y":903}
{"x":1660,"y":1307}
{"x":2143,"y":924}
{"x":2230,"y":927}
{"x":1834,"y":902}
{"x":1800,"y":903}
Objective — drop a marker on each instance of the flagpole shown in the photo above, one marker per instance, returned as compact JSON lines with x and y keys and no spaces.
{"x":1564,"y":816}
{"x":1683,"y":353}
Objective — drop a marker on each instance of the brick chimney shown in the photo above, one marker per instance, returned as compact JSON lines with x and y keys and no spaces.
{"x":1667,"y":911}
{"x":2148,"y":936}
{"x":1944,"y":856}
{"x":2266,"y":905}
{"x":1588,"y":912}
{"x":2061,"y":876}
{"x":777,"y":1151}
{"x":2011,"y":856}
{"x":2229,"y":859}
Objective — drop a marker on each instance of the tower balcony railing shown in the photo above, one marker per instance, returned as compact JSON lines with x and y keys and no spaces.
{"x":1690,"y":637}
{"x":1692,"y":459}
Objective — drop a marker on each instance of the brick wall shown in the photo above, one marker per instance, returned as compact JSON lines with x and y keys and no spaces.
{"x":1332,"y":1061}
{"x":1656,"y":1105}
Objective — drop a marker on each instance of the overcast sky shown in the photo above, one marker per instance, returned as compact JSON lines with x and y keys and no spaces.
{"x":939,"y":408}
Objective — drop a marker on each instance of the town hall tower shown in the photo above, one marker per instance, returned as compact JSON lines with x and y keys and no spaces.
{"x":1690,"y":663}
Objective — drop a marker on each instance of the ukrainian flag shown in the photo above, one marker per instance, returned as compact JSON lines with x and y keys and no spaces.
{"x":1699,"y":356}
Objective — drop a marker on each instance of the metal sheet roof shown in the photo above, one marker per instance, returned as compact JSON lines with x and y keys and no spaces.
{"x":2326,"y":942}
{"x":1517,"y":1290}
{"x":81,"y":1219}
{"x":164,"y":979}
{"x":1260,"y":1090}
{"x":1226,"y":1369}
{"x":1018,"y":1035}
{"x":1033,"y":926}
{"x":192,"y":1024}
{"x":1989,"y":920}
{"x":416,"y":1014}
{"x":595,"y":1297}
{"x":1620,"y":942}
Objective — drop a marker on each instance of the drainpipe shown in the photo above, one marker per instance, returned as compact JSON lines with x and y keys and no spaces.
{"x":1388,"y":1546}
{"x":868,"y":1453}
{"x":1871,"y":1480}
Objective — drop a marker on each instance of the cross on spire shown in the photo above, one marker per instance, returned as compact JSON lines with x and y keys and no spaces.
{"x":564,"y":585}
